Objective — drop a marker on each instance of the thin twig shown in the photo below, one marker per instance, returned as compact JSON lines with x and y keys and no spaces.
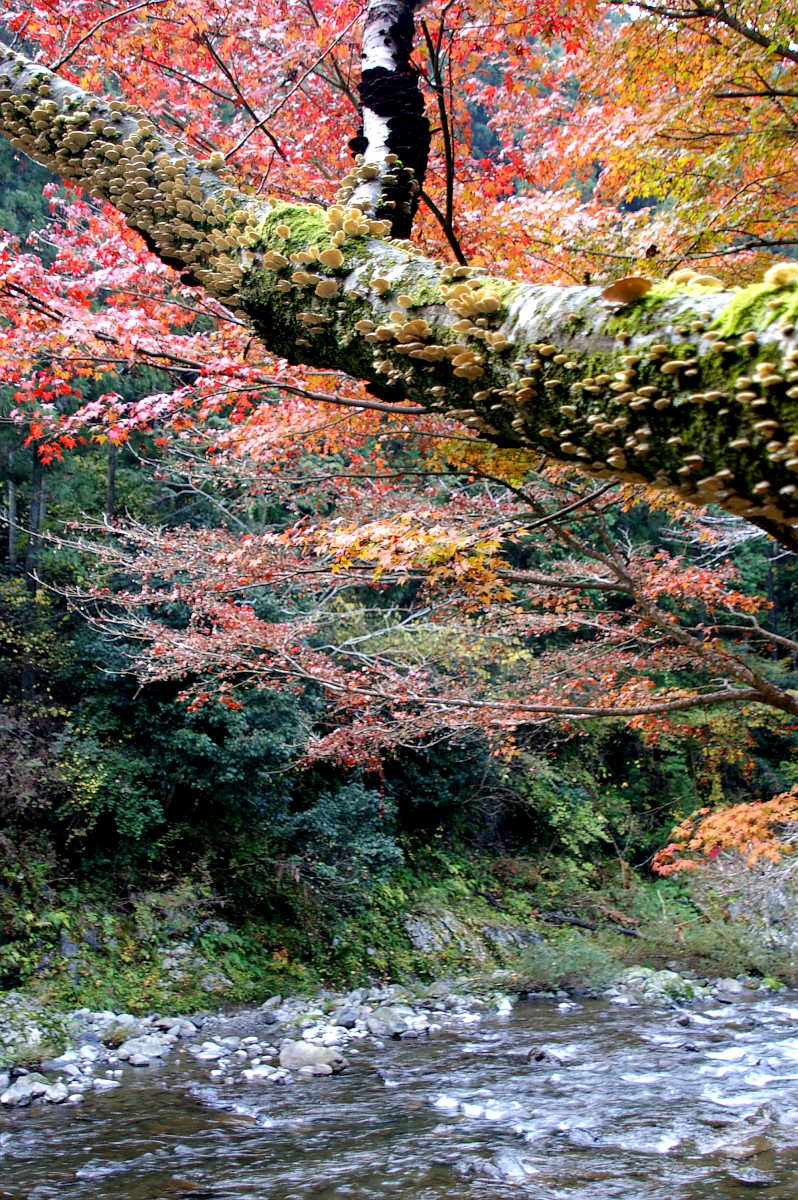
{"x":113,"y":17}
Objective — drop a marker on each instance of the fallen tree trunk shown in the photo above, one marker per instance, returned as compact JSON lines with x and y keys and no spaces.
{"x":689,"y":388}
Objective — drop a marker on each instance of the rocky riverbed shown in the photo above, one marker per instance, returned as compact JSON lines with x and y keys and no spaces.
{"x":283,"y":1040}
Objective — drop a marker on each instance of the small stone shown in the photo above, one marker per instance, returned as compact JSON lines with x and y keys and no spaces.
{"x":539,"y":1057}
{"x":753,"y":1178}
{"x":258,"y":1074}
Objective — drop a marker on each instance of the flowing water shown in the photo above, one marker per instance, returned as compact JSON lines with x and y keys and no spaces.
{"x":644,"y":1104}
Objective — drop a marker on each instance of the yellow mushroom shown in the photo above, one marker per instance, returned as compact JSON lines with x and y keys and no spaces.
{"x":326,"y":289}
{"x":331,"y":257}
{"x":781,"y":273}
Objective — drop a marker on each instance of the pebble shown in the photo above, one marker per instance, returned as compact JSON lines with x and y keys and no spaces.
{"x":253,"y":1074}
{"x":207,"y":1052}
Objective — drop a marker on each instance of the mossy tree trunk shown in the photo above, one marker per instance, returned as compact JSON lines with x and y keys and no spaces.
{"x":689,"y":389}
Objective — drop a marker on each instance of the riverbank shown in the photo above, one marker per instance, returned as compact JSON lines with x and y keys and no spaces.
{"x":185,"y":948}
{"x":152,"y":976}
{"x":61,"y":1057}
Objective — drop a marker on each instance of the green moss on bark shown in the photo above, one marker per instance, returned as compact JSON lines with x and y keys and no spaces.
{"x":307,"y":228}
{"x":757,"y":307}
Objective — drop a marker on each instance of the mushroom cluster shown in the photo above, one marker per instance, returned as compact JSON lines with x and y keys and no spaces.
{"x":685,"y":398}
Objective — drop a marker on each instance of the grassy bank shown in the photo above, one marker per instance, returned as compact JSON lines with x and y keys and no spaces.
{"x":180,"y":945}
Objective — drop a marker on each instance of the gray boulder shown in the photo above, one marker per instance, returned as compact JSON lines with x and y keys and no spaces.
{"x":147,"y":1046}
{"x":105,"y":1085}
{"x":271,"y":1003}
{"x":259,"y":1073}
{"x":176,"y":1026}
{"x":296,"y":1055}
{"x":25,"y":1089}
{"x":728,"y":987}
{"x":346,"y":1017}
{"x":389,"y":1021}
{"x":68,"y":1059}
{"x":660,"y":987}
{"x":117,"y":1031}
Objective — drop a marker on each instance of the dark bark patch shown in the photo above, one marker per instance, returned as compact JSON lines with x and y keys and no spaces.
{"x":395,"y":97}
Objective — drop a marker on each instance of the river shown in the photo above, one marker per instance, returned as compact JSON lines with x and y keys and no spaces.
{"x":625,"y":1103}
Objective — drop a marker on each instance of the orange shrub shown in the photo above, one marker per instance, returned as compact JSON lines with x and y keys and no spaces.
{"x":761,"y":829}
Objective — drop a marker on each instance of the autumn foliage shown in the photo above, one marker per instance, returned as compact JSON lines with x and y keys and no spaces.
{"x":425,"y":581}
{"x":759,"y":831}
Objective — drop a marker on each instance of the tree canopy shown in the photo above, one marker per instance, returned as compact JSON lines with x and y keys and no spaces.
{"x":259,"y":169}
